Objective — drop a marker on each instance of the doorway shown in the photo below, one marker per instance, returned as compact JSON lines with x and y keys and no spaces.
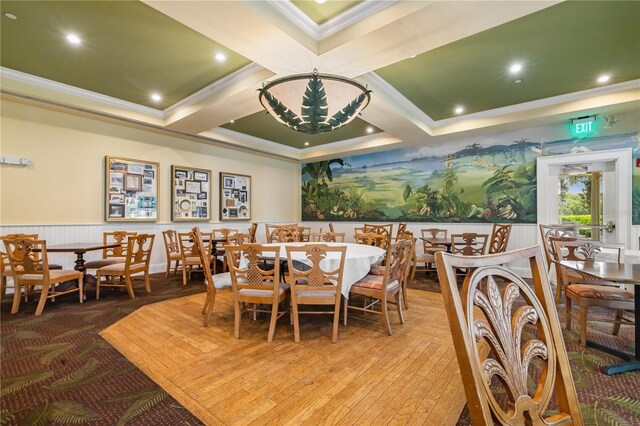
{"x":591,"y":189}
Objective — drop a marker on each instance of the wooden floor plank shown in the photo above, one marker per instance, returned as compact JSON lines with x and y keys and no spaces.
{"x":368,"y":377}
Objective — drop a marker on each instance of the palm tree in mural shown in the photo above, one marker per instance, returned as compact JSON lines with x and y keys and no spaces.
{"x":521,"y":146}
{"x":321,"y":170}
{"x":474,"y":148}
{"x":450,"y":180}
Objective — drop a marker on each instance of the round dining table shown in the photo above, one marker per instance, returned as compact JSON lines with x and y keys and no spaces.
{"x":357,"y":262}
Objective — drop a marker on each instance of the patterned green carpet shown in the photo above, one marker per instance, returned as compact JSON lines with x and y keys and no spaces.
{"x":56,"y":369}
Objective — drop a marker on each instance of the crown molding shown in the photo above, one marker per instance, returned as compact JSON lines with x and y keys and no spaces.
{"x":75,"y":91}
{"x":215,"y":87}
{"x":334,"y":25}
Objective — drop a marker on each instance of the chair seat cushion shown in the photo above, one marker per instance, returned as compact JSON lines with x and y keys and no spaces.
{"x":588,"y":291}
{"x":97,"y":264}
{"x":58,"y":275}
{"x":426,"y":258}
{"x":318,"y":293}
{"x":374,"y":282}
{"x":119,"y":268}
{"x":284,"y":287}
{"x":175,"y":256}
{"x":377,"y":270}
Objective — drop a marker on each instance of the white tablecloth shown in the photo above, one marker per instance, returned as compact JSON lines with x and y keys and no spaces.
{"x":357,"y":262}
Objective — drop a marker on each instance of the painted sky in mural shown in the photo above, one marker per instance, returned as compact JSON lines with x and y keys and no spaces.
{"x":491,"y":180}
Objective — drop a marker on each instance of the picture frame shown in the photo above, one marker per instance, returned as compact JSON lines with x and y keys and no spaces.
{"x":235,"y":197}
{"x":188,"y":187}
{"x":131,"y":190}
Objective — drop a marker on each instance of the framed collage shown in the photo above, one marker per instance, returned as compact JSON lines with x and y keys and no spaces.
{"x":235,"y":196}
{"x":190,"y":194}
{"x":131,"y":189}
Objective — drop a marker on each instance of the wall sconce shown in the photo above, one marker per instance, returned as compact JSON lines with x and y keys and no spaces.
{"x":15,"y":161}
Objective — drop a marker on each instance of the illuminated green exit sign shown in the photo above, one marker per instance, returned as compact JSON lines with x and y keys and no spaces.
{"x":583,"y":126}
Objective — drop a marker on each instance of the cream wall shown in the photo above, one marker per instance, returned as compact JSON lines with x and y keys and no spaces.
{"x":65,"y":182}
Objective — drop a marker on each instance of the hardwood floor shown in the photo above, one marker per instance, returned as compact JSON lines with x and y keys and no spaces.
{"x":368,"y":377}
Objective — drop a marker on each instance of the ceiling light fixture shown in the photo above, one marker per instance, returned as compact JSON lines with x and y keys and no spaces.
{"x":10,"y":16}
{"x":306,"y":144}
{"x":369,"y":129}
{"x":321,"y":1}
{"x":232,"y":121}
{"x":515,"y":68}
{"x":324,"y":102}
{"x":518,"y":81}
{"x":220,"y":57}
{"x":156,"y":97}
{"x":459,"y":110}
{"x":604,"y":78}
{"x":73,"y":39}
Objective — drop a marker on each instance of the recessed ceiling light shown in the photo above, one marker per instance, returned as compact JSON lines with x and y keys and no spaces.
{"x":604,"y":78}
{"x":220,"y":57}
{"x":369,"y":129}
{"x":518,"y":81}
{"x":321,"y":1}
{"x":73,"y":39}
{"x":156,"y":97}
{"x":306,"y":144}
{"x":232,"y":121}
{"x":10,"y":16}
{"x":459,"y":110}
{"x":515,"y":68}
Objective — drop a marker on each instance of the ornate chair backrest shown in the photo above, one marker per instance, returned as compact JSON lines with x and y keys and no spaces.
{"x":434,"y":233}
{"x":188,"y":247}
{"x":238,"y":239}
{"x":271,"y":231}
{"x":223,"y":234}
{"x":372,"y":239}
{"x":397,"y":261}
{"x":252,"y":232}
{"x":333,"y":237}
{"x":402,"y":228}
{"x":569,"y":248}
{"x":171,"y":243}
{"x":27,"y":256}
{"x":469,"y":243}
{"x":548,"y":231}
{"x":317,"y":278}
{"x":484,"y":313}
{"x":499,"y":238}
{"x":36,"y":255}
{"x":206,"y":265}
{"x":248,"y":269}
{"x":286,"y":235}
{"x":407,"y":235}
{"x":116,"y":237}
{"x":386,"y":230}
{"x":304,"y":233}
{"x":139,"y":251}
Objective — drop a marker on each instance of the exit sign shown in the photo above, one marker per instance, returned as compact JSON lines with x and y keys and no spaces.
{"x":583,"y":126}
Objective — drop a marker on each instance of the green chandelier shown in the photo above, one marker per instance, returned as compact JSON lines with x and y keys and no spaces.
{"x":310,"y":94}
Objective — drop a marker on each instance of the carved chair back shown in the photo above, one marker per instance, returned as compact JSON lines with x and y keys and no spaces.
{"x":116,"y":237}
{"x":469,"y":244}
{"x":36,"y":255}
{"x":320,"y":276}
{"x":238,"y":239}
{"x":248,"y":268}
{"x":271,"y":231}
{"x":27,"y":256}
{"x":171,"y":243}
{"x":397,"y":262}
{"x":548,"y":231}
{"x":372,"y":239}
{"x":491,"y":312}
{"x":252,"y":232}
{"x":386,"y":230}
{"x":434,"y":233}
{"x":139,"y":251}
{"x":568,"y":248}
{"x":303,"y":234}
{"x":499,"y":238}
{"x":333,"y":237}
{"x":188,"y":247}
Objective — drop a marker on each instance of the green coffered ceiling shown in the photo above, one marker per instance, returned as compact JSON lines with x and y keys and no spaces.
{"x":129,"y":50}
{"x":461,"y":52}
{"x":563,"y":49}
{"x":321,"y":13}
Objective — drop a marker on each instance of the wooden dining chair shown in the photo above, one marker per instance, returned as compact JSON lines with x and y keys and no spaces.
{"x":210,"y":299}
{"x":137,"y":262}
{"x":487,"y":319}
{"x":548,"y":231}
{"x":315,"y":285}
{"x":30,"y":268}
{"x":357,"y":230}
{"x":406,"y":235}
{"x":380,"y":288}
{"x":469,"y":243}
{"x":402,"y":228}
{"x":112,"y":255}
{"x":254,"y":286}
{"x":172,"y":249}
{"x":372,"y":239}
{"x":271,"y":231}
{"x":190,"y":254}
{"x":499,"y":239}
{"x":332,"y":237}
{"x":286,"y":235}
{"x":221,"y":234}
{"x":586,"y":290}
{"x":252,"y":232}
{"x":386,"y":230}
{"x":426,"y":258}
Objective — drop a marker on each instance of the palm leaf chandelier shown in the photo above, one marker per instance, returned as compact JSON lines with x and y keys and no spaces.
{"x":310,"y":94}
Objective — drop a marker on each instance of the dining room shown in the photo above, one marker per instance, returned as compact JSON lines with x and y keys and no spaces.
{"x":308,"y":212}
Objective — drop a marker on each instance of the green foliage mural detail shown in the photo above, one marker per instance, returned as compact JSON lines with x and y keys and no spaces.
{"x":475,"y":184}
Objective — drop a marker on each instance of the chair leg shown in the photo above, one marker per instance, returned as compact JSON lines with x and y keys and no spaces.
{"x":184,"y":275}
{"x":296,"y":322}
{"x":385,"y":315}
{"x":399,"y":298}
{"x":206,"y":303}
{"x":617,"y":321}
{"x":81,"y":289}
{"x":129,"y":284}
{"x":211,"y":301}
{"x":17,"y":296}
{"x":236,"y":318}
{"x":583,"y":326}
{"x":404,"y":294}
{"x":147,"y":282}
{"x":558,"y":291}
{"x":567,"y":311}
{"x":3,"y":284}
{"x":43,"y":299}
{"x":166,"y":274}
{"x":336,"y":319}
{"x":344,"y":313}
{"x":272,"y":323}
{"x":98,"y":279}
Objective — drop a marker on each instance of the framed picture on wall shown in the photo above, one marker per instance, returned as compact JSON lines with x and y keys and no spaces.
{"x":235,"y":196}
{"x":190,"y":194}
{"x":131,"y":190}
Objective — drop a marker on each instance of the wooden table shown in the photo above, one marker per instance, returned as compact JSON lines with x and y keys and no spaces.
{"x":627,"y":273}
{"x":80,"y":249}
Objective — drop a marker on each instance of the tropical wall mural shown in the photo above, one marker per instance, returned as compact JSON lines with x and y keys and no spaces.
{"x":493,"y":181}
